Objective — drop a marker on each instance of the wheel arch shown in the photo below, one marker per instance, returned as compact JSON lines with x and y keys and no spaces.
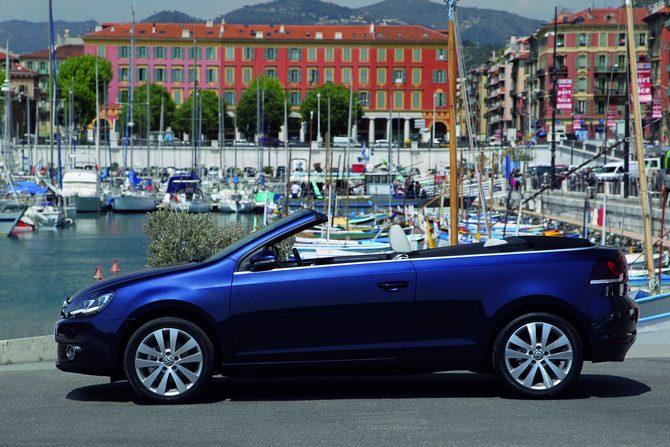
{"x":546,"y":306}
{"x":174,"y":310}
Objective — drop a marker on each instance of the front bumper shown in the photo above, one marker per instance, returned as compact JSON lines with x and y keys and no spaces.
{"x":95,"y":345}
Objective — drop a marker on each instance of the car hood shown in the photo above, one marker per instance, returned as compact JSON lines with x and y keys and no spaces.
{"x":115,"y":281}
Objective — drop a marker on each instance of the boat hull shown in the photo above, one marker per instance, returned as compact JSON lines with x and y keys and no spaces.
{"x":133,"y":204}
{"x":88,"y":204}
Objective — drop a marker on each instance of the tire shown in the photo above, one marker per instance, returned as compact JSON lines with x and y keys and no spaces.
{"x":538,"y":355}
{"x":169,"y":360}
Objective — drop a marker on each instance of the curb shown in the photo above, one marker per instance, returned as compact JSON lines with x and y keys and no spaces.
{"x":26,"y":350}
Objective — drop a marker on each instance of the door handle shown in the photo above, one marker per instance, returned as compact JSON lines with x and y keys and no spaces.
{"x":393,"y":286}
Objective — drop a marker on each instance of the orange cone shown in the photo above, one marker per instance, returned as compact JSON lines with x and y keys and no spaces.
{"x":98,"y":274}
{"x":115,"y":268}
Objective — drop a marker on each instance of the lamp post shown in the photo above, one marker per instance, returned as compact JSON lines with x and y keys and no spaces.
{"x":309,"y":163}
{"x":318,"y":117}
{"x":434,"y":101}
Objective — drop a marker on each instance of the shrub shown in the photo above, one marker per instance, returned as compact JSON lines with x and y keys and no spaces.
{"x":174,"y":237}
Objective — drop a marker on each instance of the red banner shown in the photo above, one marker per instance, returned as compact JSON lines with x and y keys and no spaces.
{"x":610,"y":117}
{"x":564,"y":94}
{"x":576,"y":122}
{"x":644,"y":81}
{"x":657,"y":109}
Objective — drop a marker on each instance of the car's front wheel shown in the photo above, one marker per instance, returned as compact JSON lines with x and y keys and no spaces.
{"x":169,"y":360}
{"x":538,"y":355}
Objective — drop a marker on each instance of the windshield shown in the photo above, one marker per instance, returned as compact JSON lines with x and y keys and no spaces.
{"x":607,"y":169}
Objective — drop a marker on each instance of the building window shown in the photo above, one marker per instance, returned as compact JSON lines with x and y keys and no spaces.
{"x":416,"y":55}
{"x":197,"y":75}
{"x":160,"y":52}
{"x":621,"y":107}
{"x":271,"y":54}
{"x":230,"y":75}
{"x":346,"y":75}
{"x":602,"y":40}
{"x":416,"y":100}
{"x":346,"y":54}
{"x":581,"y":62}
{"x":329,"y":74}
{"x":621,"y":64}
{"x":399,"y":76}
{"x":381,"y":54}
{"x":210,"y":54}
{"x":381,"y":76}
{"x":381,"y":99}
{"x":160,"y":74}
{"x":101,"y":51}
{"x":313,"y":75}
{"x":439,"y":76}
{"x":122,"y":97}
{"x":441,"y":99}
{"x":210,"y":75}
{"x":363,"y":54}
{"x":441,"y":54}
{"x":43,"y":66}
{"x":622,"y":39}
{"x":248,"y":54}
{"x":271,"y":72}
{"x":229,"y":98}
{"x":416,"y":76}
{"x":642,"y":39}
{"x":294,"y":76}
{"x":602,"y":62}
{"x":311,"y":54}
{"x":560,"y":62}
{"x":177,"y":74}
{"x":600,"y":107}
{"x":397,"y":100}
{"x":30,"y":65}
{"x":197,"y":52}
{"x":124,"y":74}
{"x":177,"y":53}
{"x":580,"y":107}
{"x":399,"y":54}
{"x":582,"y":39}
{"x":560,"y":40}
{"x":294,"y":98}
{"x":124,"y":52}
{"x":295,"y":54}
{"x":365,"y":98}
{"x":177,"y":97}
{"x":363,"y":76}
{"x":329,"y":54}
{"x":141,"y":53}
{"x":142,"y":74}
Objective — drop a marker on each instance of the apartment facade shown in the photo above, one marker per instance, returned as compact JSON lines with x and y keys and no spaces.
{"x":399,"y":72}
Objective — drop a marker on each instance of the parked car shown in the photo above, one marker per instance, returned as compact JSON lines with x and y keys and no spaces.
{"x":385,"y":143}
{"x":250,"y":172}
{"x":272,"y":142}
{"x":547,"y":305}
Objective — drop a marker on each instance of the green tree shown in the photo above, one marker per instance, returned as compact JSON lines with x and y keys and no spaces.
{"x":210,"y":114}
{"x":157,"y":95}
{"x":339,"y":108}
{"x":77,"y":76}
{"x":273,"y":98}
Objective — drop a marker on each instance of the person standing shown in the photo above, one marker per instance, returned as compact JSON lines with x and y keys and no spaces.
{"x":295,"y":190}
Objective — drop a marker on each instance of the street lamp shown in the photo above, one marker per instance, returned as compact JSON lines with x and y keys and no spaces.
{"x":434,"y":101}
{"x":318,"y":118}
{"x":309,"y":163}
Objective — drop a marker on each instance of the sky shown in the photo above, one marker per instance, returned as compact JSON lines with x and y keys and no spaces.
{"x":120,"y":10}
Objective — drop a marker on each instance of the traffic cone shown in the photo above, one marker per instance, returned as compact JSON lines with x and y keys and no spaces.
{"x":98,"y":274}
{"x":115,"y":268}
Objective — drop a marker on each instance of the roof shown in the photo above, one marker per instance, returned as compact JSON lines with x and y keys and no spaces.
{"x":63,"y":52}
{"x":269,"y":32}
{"x":600,"y":16}
{"x":3,"y":56}
{"x":21,"y":71}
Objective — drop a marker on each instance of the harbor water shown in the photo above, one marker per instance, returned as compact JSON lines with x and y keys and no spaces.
{"x":39,"y":270}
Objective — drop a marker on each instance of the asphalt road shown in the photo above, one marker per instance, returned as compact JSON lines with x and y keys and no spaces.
{"x":612,"y":404}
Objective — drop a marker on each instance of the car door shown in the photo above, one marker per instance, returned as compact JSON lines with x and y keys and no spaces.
{"x":355,"y":310}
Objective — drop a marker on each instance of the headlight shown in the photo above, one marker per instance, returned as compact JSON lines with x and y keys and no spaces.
{"x":87,"y":305}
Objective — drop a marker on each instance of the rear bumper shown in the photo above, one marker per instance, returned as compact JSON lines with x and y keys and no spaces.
{"x":616,"y":334}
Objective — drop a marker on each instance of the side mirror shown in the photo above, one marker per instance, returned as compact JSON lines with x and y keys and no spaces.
{"x":263,"y":261}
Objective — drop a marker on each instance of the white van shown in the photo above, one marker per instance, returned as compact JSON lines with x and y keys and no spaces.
{"x":342,"y":142}
{"x":615,"y":171}
{"x":560,"y":137}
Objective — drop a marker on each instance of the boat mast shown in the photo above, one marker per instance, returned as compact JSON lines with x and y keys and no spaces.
{"x":97,"y":114}
{"x":453,"y":158}
{"x":640,"y":152}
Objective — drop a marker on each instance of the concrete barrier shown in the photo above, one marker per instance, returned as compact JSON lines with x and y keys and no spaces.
{"x":26,"y":350}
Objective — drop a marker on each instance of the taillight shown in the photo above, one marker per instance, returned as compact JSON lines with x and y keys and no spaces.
{"x":609,"y":269}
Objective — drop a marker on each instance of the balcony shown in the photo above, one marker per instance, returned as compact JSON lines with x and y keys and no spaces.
{"x":607,"y":69}
{"x":540,"y":72}
{"x":602,"y":91}
{"x":562,"y":71}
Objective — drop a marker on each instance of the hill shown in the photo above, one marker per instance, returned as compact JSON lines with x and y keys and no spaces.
{"x":27,"y":37}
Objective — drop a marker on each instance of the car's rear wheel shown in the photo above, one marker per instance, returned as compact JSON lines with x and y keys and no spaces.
{"x":169,"y":360}
{"x":538,"y":355}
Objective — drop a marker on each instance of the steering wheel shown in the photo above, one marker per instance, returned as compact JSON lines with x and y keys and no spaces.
{"x":297,"y":257}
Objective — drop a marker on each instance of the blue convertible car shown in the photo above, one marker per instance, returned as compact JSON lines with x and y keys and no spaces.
{"x":530,"y":310}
